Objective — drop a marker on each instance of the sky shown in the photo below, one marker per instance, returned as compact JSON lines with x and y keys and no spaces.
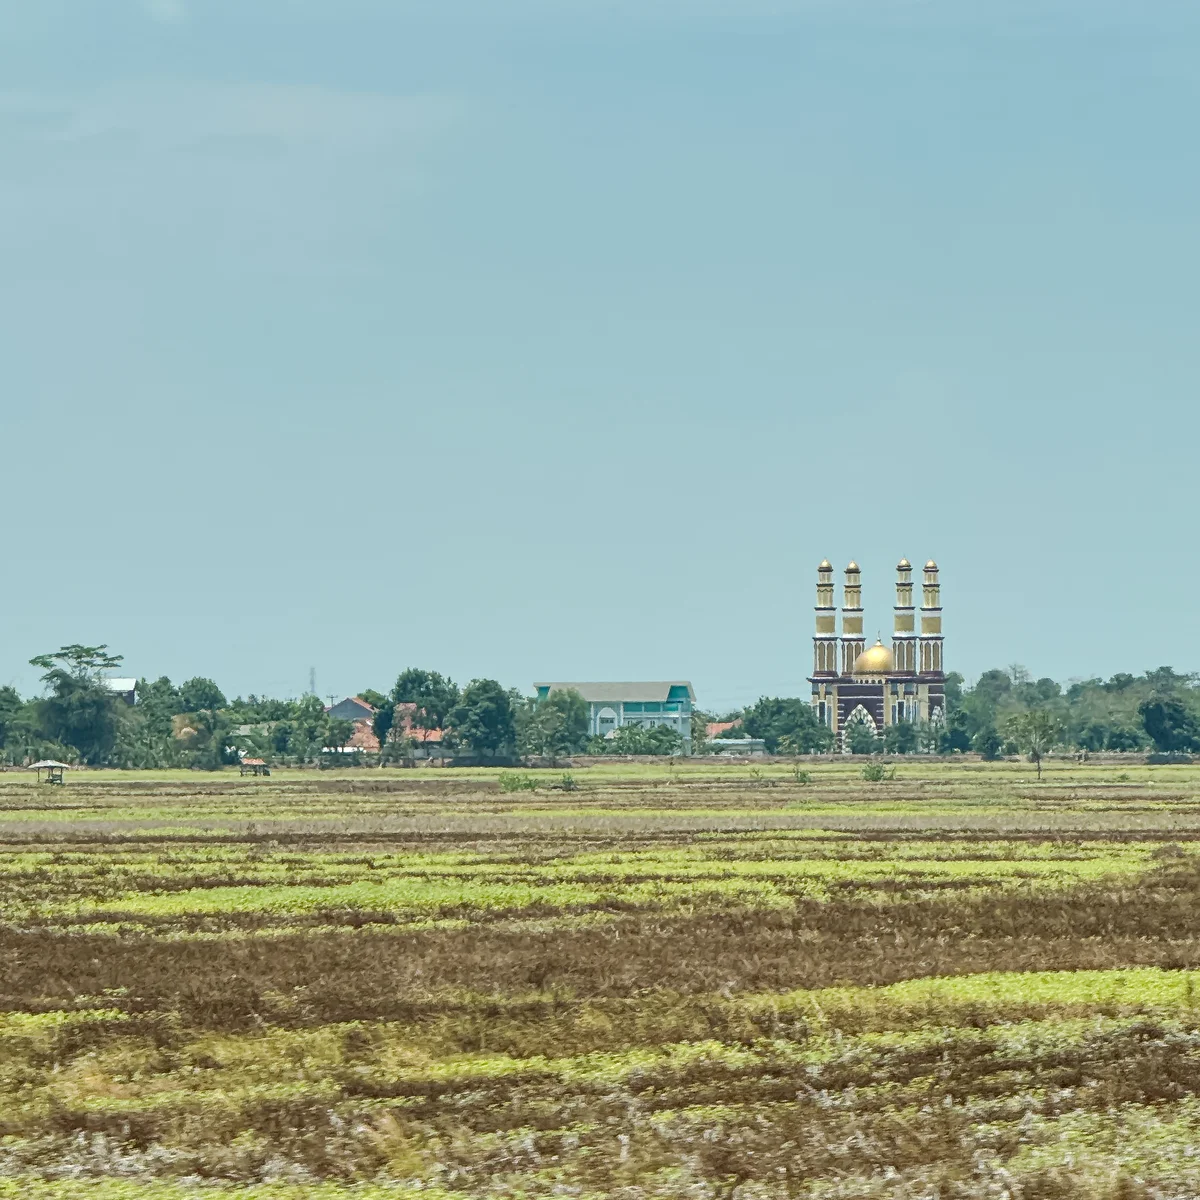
{"x":562,"y":339}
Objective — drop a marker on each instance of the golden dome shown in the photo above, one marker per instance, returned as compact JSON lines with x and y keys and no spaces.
{"x":852,"y":567}
{"x":876,"y":661}
{"x":904,"y":565}
{"x":826,"y":565}
{"x":931,"y":565}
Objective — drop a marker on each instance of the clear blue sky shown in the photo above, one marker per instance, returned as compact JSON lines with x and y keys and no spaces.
{"x":562,"y":339}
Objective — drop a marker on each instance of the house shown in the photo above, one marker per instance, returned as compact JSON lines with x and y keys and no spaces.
{"x":363,"y":738}
{"x":714,"y":729}
{"x":126,"y":689}
{"x":357,"y":710}
{"x":428,"y":741}
{"x":613,"y":705}
{"x":353,"y":708}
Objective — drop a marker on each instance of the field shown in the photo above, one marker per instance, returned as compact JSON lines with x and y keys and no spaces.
{"x":698,"y":980}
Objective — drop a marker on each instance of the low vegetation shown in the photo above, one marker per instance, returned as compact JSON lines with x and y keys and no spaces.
{"x":693,"y":980}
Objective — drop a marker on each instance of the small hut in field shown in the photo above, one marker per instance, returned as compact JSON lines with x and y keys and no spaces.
{"x":54,"y":770}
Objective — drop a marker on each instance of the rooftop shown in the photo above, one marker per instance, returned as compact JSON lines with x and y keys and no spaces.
{"x":599,"y":693}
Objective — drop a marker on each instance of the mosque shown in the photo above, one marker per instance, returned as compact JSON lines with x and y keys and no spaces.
{"x":875,"y":686}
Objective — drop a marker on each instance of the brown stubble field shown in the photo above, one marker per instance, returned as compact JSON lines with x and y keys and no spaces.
{"x":695,"y":979}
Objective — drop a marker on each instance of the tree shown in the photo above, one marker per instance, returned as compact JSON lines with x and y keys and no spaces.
{"x":861,"y":739}
{"x":80,"y":710}
{"x":432,"y":695}
{"x":929,"y":736}
{"x":382,"y":723}
{"x":700,"y":723}
{"x":1170,"y":724}
{"x":338,"y":731}
{"x":157,"y":703}
{"x":281,"y":737}
{"x":10,"y":706}
{"x":196,"y":695}
{"x":773,"y":718}
{"x":482,"y":719}
{"x":210,"y":740}
{"x":641,"y":739}
{"x":375,"y":699}
{"x":309,"y":726}
{"x":1035,"y":732}
{"x":1122,"y":738}
{"x":955,"y":738}
{"x":555,"y":725}
{"x":900,"y":738}
{"x":80,"y":662}
{"x":987,"y":743}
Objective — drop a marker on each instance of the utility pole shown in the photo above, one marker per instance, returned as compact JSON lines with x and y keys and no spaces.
{"x":312,"y":681}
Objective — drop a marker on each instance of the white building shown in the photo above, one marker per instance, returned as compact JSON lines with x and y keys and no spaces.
{"x":612,"y":705}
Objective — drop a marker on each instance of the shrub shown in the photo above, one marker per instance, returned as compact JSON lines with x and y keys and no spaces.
{"x":512,"y":781}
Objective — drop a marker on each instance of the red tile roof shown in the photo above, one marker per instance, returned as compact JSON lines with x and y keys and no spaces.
{"x":363,"y":737}
{"x":716,"y":728}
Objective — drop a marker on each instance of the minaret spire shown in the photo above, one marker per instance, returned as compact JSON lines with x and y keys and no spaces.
{"x":904,"y":633}
{"x":853,"y":643}
{"x":931,"y":623}
{"x":825,"y":640}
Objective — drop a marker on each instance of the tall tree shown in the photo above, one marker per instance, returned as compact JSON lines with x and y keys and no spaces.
{"x":1171,"y":724}
{"x":338,"y":731}
{"x":773,"y":718}
{"x":700,"y":722}
{"x":199,"y":694}
{"x":10,"y":706}
{"x":556,"y":725}
{"x":80,"y":710}
{"x":432,"y":695}
{"x":309,"y":727}
{"x":210,"y":742}
{"x":157,"y":703}
{"x":483,"y":719}
{"x":382,"y":723}
{"x":987,"y":743}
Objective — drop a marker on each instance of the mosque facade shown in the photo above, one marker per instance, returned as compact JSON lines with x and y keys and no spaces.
{"x":877,"y":686}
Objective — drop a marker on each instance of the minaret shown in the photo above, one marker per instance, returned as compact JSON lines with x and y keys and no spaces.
{"x":904,"y":631}
{"x":825,"y":640}
{"x":931,"y":623}
{"x":853,"y":643}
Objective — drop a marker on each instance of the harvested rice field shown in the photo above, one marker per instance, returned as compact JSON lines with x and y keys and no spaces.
{"x":689,"y":980}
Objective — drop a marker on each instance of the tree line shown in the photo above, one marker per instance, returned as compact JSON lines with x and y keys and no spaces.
{"x":79,"y":719}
